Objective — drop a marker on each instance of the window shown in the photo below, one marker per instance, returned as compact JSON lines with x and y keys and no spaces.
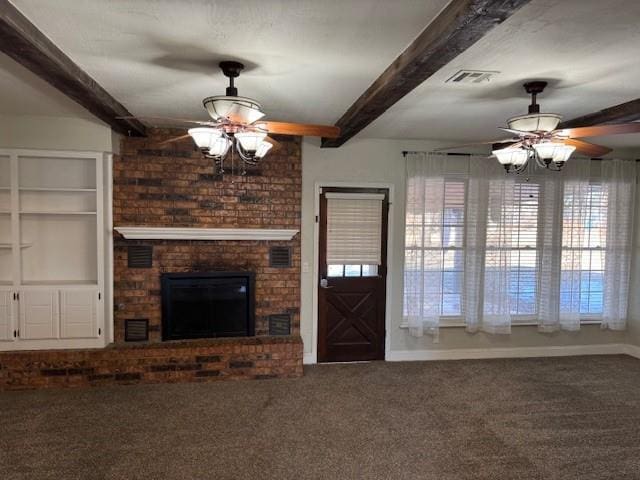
{"x":354,"y":232}
{"x":340,"y":270}
{"x":584,"y":237}
{"x":434,"y":246}
{"x":490,"y":250}
{"x":513,"y":239}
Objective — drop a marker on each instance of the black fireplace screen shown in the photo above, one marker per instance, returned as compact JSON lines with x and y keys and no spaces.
{"x":203,"y":305}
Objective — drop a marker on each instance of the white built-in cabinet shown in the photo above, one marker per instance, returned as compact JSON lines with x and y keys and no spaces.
{"x":52,"y":249}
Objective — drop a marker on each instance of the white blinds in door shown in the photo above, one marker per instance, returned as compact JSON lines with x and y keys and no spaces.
{"x":354,"y":228}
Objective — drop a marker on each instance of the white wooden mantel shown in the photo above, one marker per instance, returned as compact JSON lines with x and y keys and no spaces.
{"x":177,"y":233}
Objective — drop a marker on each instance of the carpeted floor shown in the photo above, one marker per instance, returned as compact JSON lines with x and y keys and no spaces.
{"x":557,"y":418}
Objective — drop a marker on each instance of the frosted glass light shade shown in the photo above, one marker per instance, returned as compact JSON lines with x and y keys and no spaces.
{"x":219,"y":146}
{"x":263,"y":149}
{"x":511,"y":156}
{"x":561,"y":155}
{"x":553,"y":151}
{"x":236,"y":109}
{"x":251,"y":140}
{"x":203,"y":136}
{"x":535,"y":122}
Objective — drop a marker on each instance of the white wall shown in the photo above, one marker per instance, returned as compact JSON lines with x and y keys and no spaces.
{"x":381,"y":161}
{"x":56,"y":133}
{"x":634,"y":296}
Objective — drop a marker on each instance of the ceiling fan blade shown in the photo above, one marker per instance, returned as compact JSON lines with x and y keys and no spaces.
{"x":174,"y":139}
{"x":171,"y":119}
{"x":600,"y":130}
{"x":276,"y":144}
{"x":304,"y":130}
{"x":589,"y":149}
{"x":488,"y":142}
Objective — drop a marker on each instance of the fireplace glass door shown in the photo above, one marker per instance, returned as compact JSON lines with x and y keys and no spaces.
{"x":218,"y":304}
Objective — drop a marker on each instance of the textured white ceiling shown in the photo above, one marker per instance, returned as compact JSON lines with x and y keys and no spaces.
{"x":308,"y":60}
{"x":588,"y":51}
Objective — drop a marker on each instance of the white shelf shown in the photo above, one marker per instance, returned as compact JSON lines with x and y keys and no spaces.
{"x":64,"y":190}
{"x":5,"y":189}
{"x":47,"y":283}
{"x":6,"y":212}
{"x":9,"y":245}
{"x":171,"y":233}
{"x":43,"y":212}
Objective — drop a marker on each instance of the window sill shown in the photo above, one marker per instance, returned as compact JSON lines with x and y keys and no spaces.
{"x":405,"y":325}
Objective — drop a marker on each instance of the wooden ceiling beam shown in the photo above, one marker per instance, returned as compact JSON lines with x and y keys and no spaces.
{"x":623,"y":113}
{"x":460,"y":24}
{"x":26,"y":44}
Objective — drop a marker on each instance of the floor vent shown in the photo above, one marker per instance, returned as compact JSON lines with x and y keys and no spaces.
{"x":280,"y":324}
{"x":139,"y":256}
{"x":471,"y":76}
{"x":136,"y":330}
{"x":280,"y":257}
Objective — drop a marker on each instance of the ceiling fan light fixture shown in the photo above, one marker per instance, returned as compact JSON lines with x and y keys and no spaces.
{"x":204,"y":136}
{"x":512,"y":156}
{"x":561,"y":155}
{"x":553,"y":151}
{"x":250,"y":140}
{"x":535,"y":122}
{"x":263,"y":149}
{"x":219,"y":146}
{"x":234,"y":109}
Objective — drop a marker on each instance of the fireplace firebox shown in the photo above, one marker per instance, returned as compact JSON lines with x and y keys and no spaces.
{"x":205,"y":305}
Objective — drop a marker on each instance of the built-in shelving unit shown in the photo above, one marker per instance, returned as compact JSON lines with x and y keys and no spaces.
{"x":42,"y":212}
{"x":52,"y":236}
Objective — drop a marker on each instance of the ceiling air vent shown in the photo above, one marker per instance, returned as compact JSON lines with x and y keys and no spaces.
{"x":471,"y":76}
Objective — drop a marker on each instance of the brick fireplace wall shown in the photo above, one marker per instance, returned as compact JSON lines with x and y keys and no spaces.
{"x":173,"y":185}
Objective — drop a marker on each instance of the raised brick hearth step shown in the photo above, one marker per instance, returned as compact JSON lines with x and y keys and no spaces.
{"x":179,"y":361}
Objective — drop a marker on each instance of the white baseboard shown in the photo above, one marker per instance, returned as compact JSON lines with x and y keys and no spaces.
{"x":633,"y":350}
{"x":520,"y":352}
{"x":309,"y":358}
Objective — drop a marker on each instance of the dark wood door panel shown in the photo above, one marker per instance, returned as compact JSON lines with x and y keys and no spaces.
{"x":351,"y":310}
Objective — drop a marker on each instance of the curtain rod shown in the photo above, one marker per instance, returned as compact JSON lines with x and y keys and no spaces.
{"x":406,"y":152}
{"x":455,"y":154}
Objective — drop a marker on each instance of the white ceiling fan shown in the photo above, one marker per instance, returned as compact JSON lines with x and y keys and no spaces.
{"x":536,"y":137}
{"x":237,"y":121}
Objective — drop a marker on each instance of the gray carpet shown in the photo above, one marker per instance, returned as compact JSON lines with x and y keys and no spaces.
{"x":560,"y":418}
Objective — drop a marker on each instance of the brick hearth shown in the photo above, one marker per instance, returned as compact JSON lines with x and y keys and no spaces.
{"x":187,"y":361}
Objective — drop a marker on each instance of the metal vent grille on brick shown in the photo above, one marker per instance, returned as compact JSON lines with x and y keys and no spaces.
{"x":140,"y":256}
{"x":280,"y":324}
{"x":280,"y":257}
{"x":136,"y":330}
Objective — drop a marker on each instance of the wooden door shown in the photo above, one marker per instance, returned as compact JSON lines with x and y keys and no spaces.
{"x":78,"y":313}
{"x":351,"y":296}
{"x":39,"y":314}
{"x":6,"y":315}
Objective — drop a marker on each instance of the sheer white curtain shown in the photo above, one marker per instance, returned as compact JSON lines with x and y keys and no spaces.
{"x":619,"y":181}
{"x":564,"y":212}
{"x":489,"y":225}
{"x":424,"y":210}
{"x":465,"y":224}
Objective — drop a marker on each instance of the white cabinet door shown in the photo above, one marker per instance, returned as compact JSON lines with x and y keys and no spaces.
{"x":78,"y":313}
{"x":6,"y":315}
{"x":39,"y":314}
